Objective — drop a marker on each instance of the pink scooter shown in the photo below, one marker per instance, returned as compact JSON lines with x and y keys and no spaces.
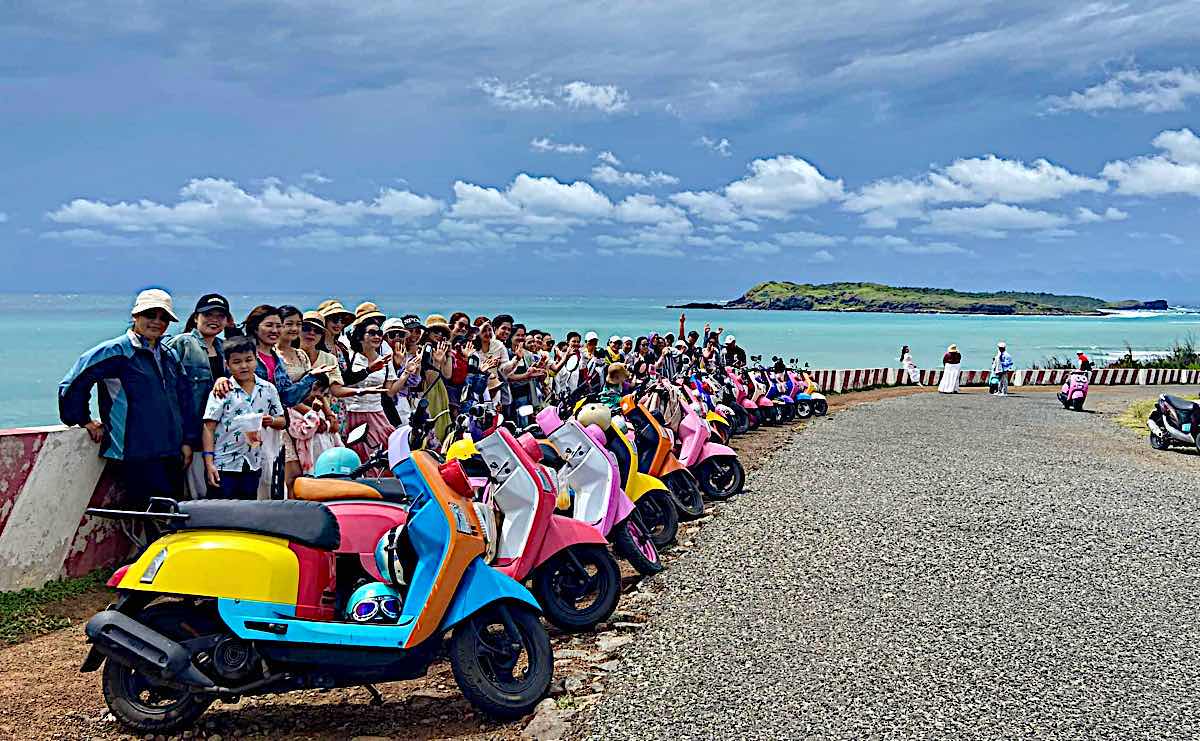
{"x":592,"y":473}
{"x":575,"y":578}
{"x":1074,"y":390}
{"x":716,"y":466}
{"x":742,"y":396}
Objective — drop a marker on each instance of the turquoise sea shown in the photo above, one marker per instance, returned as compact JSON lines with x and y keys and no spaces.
{"x":42,"y":334}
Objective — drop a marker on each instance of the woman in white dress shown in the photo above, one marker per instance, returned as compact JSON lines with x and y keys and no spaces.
{"x":951,"y":371}
{"x":910,"y":366}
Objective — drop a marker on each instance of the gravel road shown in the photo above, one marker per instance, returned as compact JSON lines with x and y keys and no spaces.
{"x":933,"y":566}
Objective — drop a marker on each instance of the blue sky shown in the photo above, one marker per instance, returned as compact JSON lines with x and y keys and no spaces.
{"x":673,"y":148}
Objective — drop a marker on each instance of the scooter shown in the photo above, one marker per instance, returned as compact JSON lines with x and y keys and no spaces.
{"x":591,"y":472}
{"x":252,"y":607}
{"x":1174,"y":421}
{"x":1074,"y":390}
{"x":741,"y":392}
{"x":806,"y":388}
{"x":716,"y":467}
{"x":717,"y":415}
{"x":656,"y":457}
{"x":575,"y":578}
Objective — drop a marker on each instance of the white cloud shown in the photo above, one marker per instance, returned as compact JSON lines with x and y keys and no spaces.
{"x":545,"y":144}
{"x":3,"y":217}
{"x":807,"y":239}
{"x":645,"y":209}
{"x":1176,"y":171}
{"x":707,"y":205}
{"x":1154,"y":91}
{"x":886,"y":240}
{"x":821,"y":256}
{"x":1088,"y":216}
{"x":931,"y":248}
{"x":1162,"y":236}
{"x":606,"y":98}
{"x":522,"y":95}
{"x":610,"y":175}
{"x":761,"y":249}
{"x":549,"y":196}
{"x":99,"y":238}
{"x":609,"y":158}
{"x":994,"y":220}
{"x":315,"y":178}
{"x":778,"y":187}
{"x":721,"y":147}
{"x":884,"y":203}
{"x":216,"y":204}
{"x":329,"y":240}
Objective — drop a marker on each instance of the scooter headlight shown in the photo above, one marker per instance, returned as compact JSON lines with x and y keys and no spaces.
{"x":487,"y":524}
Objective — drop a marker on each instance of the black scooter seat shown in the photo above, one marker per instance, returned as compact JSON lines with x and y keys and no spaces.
{"x":1180,"y":405}
{"x":307,"y":523}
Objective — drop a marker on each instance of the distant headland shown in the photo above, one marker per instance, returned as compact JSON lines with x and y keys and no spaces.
{"x":783,"y":295}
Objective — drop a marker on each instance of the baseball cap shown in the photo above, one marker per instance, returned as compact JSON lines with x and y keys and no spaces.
{"x":154,"y":298}
{"x":393,"y":325}
{"x":411,"y":321}
{"x":681,"y":344}
{"x":730,"y":340}
{"x":212,"y":302}
{"x":626,"y":339}
{"x":614,"y":338}
{"x":590,"y":336}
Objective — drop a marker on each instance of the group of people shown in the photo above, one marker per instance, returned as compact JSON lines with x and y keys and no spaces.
{"x":1002,"y":368}
{"x":240,"y":409}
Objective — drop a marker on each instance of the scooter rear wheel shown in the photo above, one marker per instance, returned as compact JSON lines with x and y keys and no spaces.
{"x":660,"y":516}
{"x":804,"y":409}
{"x":632,"y":543}
{"x":820,"y":407}
{"x":564,"y":592}
{"x":135,"y":700}
{"x":502,"y":674}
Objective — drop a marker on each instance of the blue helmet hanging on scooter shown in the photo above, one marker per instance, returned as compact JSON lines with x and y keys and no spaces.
{"x":389,"y":556}
{"x":336,"y":462}
{"x":374,"y":602}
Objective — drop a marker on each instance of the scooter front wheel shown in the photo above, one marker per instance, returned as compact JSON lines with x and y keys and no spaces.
{"x":1077,"y":404}
{"x":685,"y":490}
{"x":633,"y":543}
{"x":578,"y":587}
{"x":804,"y":409}
{"x":820,"y":407}
{"x":660,"y":516}
{"x":502,"y":660}
{"x":722,"y":478}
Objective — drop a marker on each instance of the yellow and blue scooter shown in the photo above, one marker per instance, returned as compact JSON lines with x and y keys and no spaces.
{"x":241,"y":598}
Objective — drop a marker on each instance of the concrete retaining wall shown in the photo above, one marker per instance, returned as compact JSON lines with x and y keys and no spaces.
{"x":50,"y":475}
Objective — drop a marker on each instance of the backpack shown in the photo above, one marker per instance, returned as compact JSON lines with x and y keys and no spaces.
{"x":458,"y":376}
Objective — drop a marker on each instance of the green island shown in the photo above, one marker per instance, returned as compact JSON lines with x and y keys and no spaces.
{"x":788,"y":296}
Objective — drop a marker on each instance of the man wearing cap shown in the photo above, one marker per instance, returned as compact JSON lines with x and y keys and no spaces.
{"x":147,"y":420}
{"x":734,"y":355}
{"x":1002,"y":366}
{"x":613,"y":351}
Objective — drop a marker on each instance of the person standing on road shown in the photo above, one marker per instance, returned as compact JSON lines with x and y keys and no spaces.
{"x":910,"y":366}
{"x":1002,"y":366}
{"x":951,"y":370}
{"x":148,"y":422}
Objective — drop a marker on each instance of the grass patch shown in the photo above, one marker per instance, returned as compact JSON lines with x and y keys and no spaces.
{"x":23,"y":614}
{"x":1134,"y":417}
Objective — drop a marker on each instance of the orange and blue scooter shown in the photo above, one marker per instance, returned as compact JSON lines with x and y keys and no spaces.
{"x":241,"y":598}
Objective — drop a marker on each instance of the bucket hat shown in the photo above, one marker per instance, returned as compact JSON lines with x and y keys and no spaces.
{"x":154,"y":298}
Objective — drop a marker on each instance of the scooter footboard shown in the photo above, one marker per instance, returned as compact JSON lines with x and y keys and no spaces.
{"x":713,"y":450}
{"x":123,"y":639}
{"x":482,"y":585}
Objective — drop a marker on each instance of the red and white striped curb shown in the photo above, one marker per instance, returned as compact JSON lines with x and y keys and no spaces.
{"x":839,"y":381}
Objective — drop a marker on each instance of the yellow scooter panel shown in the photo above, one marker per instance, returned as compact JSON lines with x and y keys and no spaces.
{"x":640,"y":483}
{"x":715,"y":417}
{"x":218,"y":563}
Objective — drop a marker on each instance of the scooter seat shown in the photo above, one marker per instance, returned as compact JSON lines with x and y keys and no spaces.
{"x":1180,"y":405}
{"x":307,"y":523}
{"x":551,"y":457}
{"x":338,"y":489}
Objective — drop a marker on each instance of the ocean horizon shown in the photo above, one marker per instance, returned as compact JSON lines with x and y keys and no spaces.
{"x":45,"y":332}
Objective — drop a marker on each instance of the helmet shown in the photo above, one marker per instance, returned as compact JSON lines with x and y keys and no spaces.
{"x":595,"y":414}
{"x":460,"y":450}
{"x":336,"y":462}
{"x":374,"y":602}
{"x":388,"y":558}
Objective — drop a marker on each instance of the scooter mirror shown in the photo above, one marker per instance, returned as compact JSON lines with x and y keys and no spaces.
{"x":525,"y":410}
{"x":356,"y":435}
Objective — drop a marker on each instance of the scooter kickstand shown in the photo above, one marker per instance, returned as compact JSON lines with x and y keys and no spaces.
{"x":376,"y":698}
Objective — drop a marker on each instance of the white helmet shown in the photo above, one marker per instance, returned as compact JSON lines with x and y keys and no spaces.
{"x":595,"y":414}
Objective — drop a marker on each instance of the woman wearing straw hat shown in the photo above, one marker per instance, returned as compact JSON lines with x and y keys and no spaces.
{"x":372,"y":378}
{"x":951,"y":370}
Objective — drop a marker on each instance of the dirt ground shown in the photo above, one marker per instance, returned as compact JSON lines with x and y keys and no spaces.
{"x":43,"y":695}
